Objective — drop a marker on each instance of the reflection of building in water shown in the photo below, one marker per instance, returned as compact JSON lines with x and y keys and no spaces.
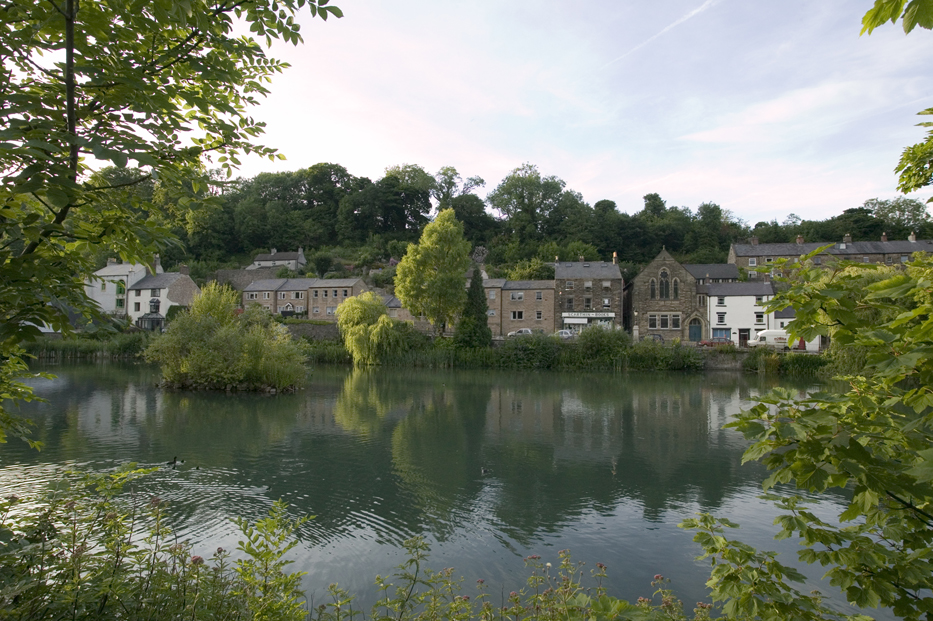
{"x":119,"y":417}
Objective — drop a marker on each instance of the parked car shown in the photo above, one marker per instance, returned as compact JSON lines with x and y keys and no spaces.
{"x":716,"y":341}
{"x":565,"y":335}
{"x":521,"y":332}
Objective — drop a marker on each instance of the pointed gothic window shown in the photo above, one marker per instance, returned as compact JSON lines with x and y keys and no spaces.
{"x":676,"y":289}
{"x":652,"y":287}
{"x":665,"y":286}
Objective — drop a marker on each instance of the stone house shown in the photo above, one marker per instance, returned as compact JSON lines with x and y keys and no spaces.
{"x":527,"y":304}
{"x":292,"y":296}
{"x":754,"y":255}
{"x":314,"y":298}
{"x":292,"y":260}
{"x":667,"y":301}
{"x":587,"y":293}
{"x":263,"y":292}
{"x":169,"y":288}
{"x":325,"y":295}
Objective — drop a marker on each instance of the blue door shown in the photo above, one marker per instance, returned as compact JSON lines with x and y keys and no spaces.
{"x":696,"y":330}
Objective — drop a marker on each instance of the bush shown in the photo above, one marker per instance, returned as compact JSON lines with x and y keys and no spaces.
{"x":654,"y":356}
{"x":215,"y":346}
{"x":530,"y":352}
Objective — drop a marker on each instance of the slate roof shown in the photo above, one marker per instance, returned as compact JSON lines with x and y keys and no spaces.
{"x":278,"y":256}
{"x":739,"y":288}
{"x":785,"y":313}
{"x":391,"y":301}
{"x":495,"y":283}
{"x":266,"y":284}
{"x":712,"y":270}
{"x":528,"y":284}
{"x":587,"y":269}
{"x":334,"y":282}
{"x":897,"y":246}
{"x":119,"y":269}
{"x":158,"y":281}
{"x":297,"y":284}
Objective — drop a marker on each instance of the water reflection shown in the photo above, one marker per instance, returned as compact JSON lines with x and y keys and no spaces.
{"x":490,"y":465}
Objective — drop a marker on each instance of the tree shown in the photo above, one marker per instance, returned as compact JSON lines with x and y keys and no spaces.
{"x":430,"y":277}
{"x":532,"y":269}
{"x":900,"y":213}
{"x":448,"y":186}
{"x":873,"y":440}
{"x":473,"y":328}
{"x":369,"y":334}
{"x":526,"y":199}
{"x":116,"y":82}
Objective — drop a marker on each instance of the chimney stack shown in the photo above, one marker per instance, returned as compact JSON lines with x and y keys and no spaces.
{"x":847,"y":238}
{"x":111,"y":261}
{"x":884,"y":237}
{"x":183,"y":269}
{"x":753,"y":240}
{"x":615,"y":258}
{"x":581,"y":258}
{"x":799,"y":239}
{"x":273,"y":251}
{"x":912,"y":237}
{"x":157,"y":264}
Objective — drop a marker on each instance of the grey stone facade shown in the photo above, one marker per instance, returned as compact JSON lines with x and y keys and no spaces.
{"x":587,"y":293}
{"x":666,"y":301}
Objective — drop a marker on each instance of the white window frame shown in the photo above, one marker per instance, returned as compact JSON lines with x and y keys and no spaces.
{"x":265,"y":295}
{"x":252,"y":296}
{"x":518,"y":315}
{"x":539,"y":315}
{"x":720,"y":319}
{"x":517,"y":296}
{"x":492,"y":294}
{"x":753,"y":262}
{"x":539,"y":295}
{"x":568,"y":285}
{"x":607,"y":302}
{"x":759,"y":318}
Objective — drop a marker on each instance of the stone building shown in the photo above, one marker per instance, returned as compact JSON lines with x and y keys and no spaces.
{"x":169,"y":288}
{"x":587,"y":293}
{"x":314,"y":298}
{"x":292,"y":260}
{"x":667,"y":301}
{"x":754,"y":255}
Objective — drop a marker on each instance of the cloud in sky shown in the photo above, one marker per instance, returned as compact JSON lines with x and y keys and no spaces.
{"x":763,"y":109}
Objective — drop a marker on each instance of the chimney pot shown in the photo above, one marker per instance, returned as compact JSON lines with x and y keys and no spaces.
{"x":800,"y":239}
{"x":884,"y":237}
{"x":615,"y":258}
{"x":847,"y":238}
{"x":753,"y":240}
{"x":183,"y":269}
{"x":912,"y":237}
{"x":581,"y":258}
{"x":111,"y":261}
{"x":273,"y":251}
{"x":157,"y":264}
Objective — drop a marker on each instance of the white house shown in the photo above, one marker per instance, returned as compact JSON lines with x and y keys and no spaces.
{"x":108,"y":285}
{"x":169,"y":288}
{"x":292,"y":260}
{"x":736,"y":310}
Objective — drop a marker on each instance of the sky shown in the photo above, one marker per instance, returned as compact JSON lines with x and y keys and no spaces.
{"x":765,"y":108}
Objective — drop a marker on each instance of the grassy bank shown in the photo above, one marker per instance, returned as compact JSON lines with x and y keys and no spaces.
{"x":128,"y":345}
{"x":786,"y":364}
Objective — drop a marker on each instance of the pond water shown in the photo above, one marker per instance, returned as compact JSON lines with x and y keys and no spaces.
{"x":488,"y":466}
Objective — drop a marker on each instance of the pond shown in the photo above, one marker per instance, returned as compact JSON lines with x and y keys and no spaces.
{"x":489,"y":466}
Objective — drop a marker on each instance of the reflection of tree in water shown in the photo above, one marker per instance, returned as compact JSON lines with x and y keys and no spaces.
{"x":435,"y":452}
{"x":368,"y":399}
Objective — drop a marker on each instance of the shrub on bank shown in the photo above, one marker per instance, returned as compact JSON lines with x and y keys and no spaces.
{"x":123,"y":345}
{"x":772,"y":362}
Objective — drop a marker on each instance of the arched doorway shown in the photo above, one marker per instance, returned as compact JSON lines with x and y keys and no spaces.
{"x":696,"y":330}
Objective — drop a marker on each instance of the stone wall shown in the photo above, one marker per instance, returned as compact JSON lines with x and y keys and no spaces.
{"x":314,"y":332}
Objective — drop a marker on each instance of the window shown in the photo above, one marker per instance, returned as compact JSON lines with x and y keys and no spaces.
{"x":121,"y":288}
{"x":344,"y":293}
{"x":587,"y":303}
{"x":136,"y":307}
{"x":517,"y":296}
{"x":753,"y":262}
{"x":539,"y":315}
{"x":518,"y":315}
{"x":298,"y":295}
{"x":607,"y":284}
{"x":570,"y":304}
{"x":817,"y":260}
{"x":759,"y":317}
{"x":569,"y":285}
{"x":316,"y":310}
{"x":587,"y":285}
{"x":491,"y":313}
{"x":539,"y":295}
{"x":664,"y":322}
{"x":325,"y":293}
{"x":701,"y":300}
{"x":331,"y":309}
{"x":721,"y":300}
{"x":282,"y":295}
{"x":904,"y":258}
{"x":675,"y":322}
{"x":314,"y":295}
{"x":652,"y":322}
{"x":758,"y":300}
{"x":335,"y":293}
{"x":888,"y":260}
{"x":299,"y":309}
{"x":265,"y":295}
{"x":676,"y":289}
{"x":492,"y":294}
{"x":607,"y":303}
{"x":156,"y":293}
{"x":139,"y":293}
{"x":753,"y":274}
{"x":652,"y":286}
{"x":103,"y":286}
{"x":120,"y":302}
{"x":393,"y":312}
{"x":769,"y":260}
{"x":782,"y":324}
{"x":720,"y":318}
{"x":864,"y":259}
{"x":251,"y":296}
{"x":664,"y":289}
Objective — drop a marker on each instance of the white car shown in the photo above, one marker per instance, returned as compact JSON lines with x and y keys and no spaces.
{"x":564,"y":335}
{"x":521,"y":332}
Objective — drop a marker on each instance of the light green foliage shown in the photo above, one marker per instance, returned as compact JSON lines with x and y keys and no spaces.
{"x":369,"y":334}
{"x":901,"y":212}
{"x":85,"y":551}
{"x":118,"y":82}
{"x":473,"y":328}
{"x":532,"y":269}
{"x":873,"y":439}
{"x":215,"y":346}
{"x":430,"y":278}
